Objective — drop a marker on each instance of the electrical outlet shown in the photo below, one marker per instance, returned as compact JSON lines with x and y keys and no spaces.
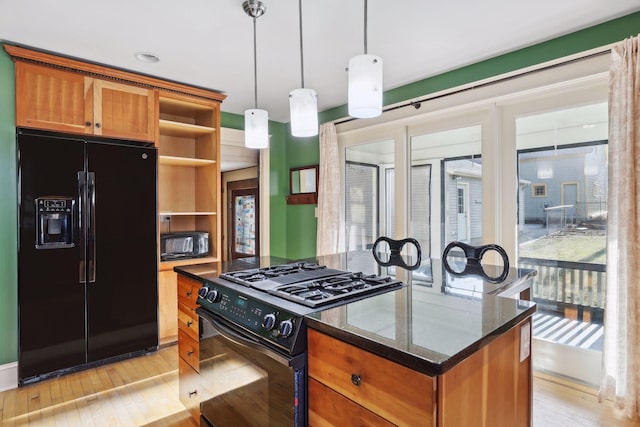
{"x":165,"y":218}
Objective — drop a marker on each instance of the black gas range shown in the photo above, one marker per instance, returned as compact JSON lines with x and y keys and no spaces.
{"x":253,"y":341}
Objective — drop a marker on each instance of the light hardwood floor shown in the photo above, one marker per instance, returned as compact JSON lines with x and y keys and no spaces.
{"x":144,"y":392}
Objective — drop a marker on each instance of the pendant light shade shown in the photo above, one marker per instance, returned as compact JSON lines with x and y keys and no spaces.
{"x":256,"y":121}
{"x":256,"y":128}
{"x":365,"y":82}
{"x":303,"y":104}
{"x":365,"y":86}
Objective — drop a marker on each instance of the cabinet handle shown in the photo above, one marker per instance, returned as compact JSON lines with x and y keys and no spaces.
{"x":356,"y":380}
{"x":189,"y":353}
{"x":87,"y":123}
{"x":189,"y":293}
{"x":193,"y":393}
{"x":97,"y":125}
{"x":189,"y":323}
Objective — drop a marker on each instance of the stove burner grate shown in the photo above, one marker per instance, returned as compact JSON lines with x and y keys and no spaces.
{"x":331,"y":289}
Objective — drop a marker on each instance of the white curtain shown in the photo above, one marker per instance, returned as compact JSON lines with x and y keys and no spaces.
{"x":330,"y":239}
{"x":621,"y":355}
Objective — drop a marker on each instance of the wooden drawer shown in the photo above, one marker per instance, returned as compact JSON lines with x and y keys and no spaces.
{"x":189,"y":388}
{"x":189,"y":350}
{"x":395,"y":392}
{"x":328,"y":408}
{"x":188,"y":291}
{"x":188,"y":321}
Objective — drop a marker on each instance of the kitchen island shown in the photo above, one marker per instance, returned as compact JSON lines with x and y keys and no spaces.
{"x":436,"y":349}
{"x":444,"y":351}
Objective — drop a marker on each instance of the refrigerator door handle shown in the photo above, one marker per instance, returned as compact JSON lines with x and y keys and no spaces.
{"x":91,"y":235}
{"x":82,"y":224}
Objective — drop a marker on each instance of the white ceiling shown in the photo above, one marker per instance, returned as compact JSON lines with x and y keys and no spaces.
{"x":208,"y":43}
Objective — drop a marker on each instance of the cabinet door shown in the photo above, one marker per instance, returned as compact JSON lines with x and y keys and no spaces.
{"x":123,"y":111}
{"x":48,"y":98}
{"x":167,"y":306}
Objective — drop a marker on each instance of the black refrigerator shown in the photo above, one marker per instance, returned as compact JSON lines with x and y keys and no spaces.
{"x":87,"y":255}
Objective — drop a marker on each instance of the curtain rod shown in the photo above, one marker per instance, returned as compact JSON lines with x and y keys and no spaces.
{"x":416,"y":104}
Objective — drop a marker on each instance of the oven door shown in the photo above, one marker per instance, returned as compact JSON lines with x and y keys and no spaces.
{"x":245,"y":383}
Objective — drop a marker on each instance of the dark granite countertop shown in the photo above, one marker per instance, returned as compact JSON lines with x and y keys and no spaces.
{"x":431,"y":324}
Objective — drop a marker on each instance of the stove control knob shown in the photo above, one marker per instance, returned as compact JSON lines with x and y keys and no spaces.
{"x":286,"y":328}
{"x":269,"y":321}
{"x":212,"y":295}
{"x":203,"y":291}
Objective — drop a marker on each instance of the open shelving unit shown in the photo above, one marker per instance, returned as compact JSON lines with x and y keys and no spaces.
{"x":188,"y":186}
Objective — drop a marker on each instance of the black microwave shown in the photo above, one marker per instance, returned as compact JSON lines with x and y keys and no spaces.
{"x":184,"y":244}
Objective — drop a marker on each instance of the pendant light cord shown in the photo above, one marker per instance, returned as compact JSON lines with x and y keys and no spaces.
{"x":301,"y":49}
{"x":365,"y":27}
{"x":255,"y":66}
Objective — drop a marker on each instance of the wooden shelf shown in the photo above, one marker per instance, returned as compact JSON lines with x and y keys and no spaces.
{"x":184,"y":161}
{"x":186,"y":213}
{"x":171,"y":128}
{"x":168,"y":265}
{"x":180,"y":107}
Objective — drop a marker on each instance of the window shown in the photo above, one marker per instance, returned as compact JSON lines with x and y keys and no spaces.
{"x":539,"y":190}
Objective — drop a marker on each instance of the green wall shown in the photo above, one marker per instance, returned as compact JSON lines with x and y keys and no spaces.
{"x":301,"y":220}
{"x":8,"y":215}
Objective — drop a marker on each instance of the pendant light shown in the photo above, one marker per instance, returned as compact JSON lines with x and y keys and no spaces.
{"x":365,"y":82}
{"x":303,"y":103}
{"x":256,"y":122}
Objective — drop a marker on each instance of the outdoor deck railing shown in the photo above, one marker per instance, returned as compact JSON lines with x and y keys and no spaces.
{"x":575,"y":283}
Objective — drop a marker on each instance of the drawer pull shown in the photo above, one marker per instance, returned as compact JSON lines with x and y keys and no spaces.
{"x":189,"y":353}
{"x":356,"y":380}
{"x":193,"y":393}
{"x":189,"y":292}
{"x":189,"y":323}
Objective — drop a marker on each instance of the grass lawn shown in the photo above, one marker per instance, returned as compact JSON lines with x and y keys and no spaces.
{"x":578,"y":247}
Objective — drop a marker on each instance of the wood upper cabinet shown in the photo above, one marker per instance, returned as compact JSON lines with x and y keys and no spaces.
{"x":123,"y":111}
{"x":66,"y":101}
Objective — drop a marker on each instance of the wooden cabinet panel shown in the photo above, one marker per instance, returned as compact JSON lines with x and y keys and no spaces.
{"x":395,"y":392}
{"x":188,"y":321}
{"x":49,"y":98}
{"x":189,"y":350}
{"x":492,"y":385}
{"x":123,"y":111}
{"x":167,"y":306}
{"x":188,"y":291}
{"x":189,"y":388}
{"x":328,"y":408}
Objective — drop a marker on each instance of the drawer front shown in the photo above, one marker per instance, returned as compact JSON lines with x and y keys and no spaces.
{"x":328,"y":408}
{"x":188,"y":321}
{"x":189,"y":388}
{"x":188,"y":291}
{"x":393,"y":391}
{"x":189,"y":350}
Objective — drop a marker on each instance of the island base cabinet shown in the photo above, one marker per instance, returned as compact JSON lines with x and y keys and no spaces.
{"x":349,"y":386}
{"x":492,"y":387}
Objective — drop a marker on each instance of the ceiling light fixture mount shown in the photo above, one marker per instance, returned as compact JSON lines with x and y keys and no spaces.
{"x":303,"y":102}
{"x":256,"y":121}
{"x":365,"y":82}
{"x":147,"y":57}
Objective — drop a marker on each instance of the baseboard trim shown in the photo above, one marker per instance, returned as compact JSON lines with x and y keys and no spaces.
{"x":8,"y":376}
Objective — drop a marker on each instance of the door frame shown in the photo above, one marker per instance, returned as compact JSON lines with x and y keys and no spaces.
{"x":236,"y":187}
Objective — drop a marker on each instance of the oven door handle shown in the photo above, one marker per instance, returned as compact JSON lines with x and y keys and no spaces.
{"x":242,"y":340}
